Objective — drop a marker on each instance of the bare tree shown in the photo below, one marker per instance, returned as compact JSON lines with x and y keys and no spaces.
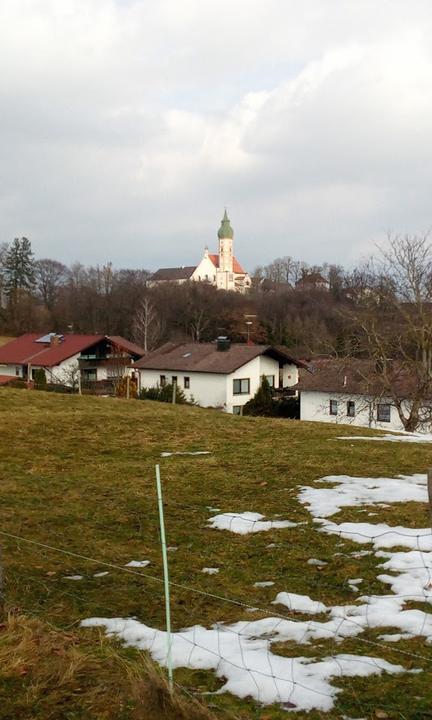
{"x":147,"y":328}
{"x":50,"y":275}
{"x":395,"y":322}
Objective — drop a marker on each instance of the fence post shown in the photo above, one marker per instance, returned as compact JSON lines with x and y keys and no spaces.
{"x":429,"y":487}
{"x":127,"y":387}
{"x":166,"y":576}
{"x":2,"y":589}
{"x":174,"y":391}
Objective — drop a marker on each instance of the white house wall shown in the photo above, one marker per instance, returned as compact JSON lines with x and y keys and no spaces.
{"x":64,"y":373}
{"x":316,"y":406}
{"x":205,"y":271}
{"x":217,"y":390}
{"x":207,"y":389}
{"x":11,"y":370}
{"x":289,"y":375}
{"x":253,"y":370}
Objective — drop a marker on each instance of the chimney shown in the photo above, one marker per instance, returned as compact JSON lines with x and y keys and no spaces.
{"x":223,"y":343}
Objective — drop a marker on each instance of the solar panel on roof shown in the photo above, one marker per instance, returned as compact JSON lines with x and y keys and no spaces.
{"x":47,"y":338}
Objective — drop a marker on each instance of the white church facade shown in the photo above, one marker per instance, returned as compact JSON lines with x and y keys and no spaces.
{"x":221,"y":269}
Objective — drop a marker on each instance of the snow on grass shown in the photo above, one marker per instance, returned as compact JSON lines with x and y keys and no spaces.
{"x":355,"y":491}
{"x":101,"y":574}
{"x":73,"y":577}
{"x":315,"y":561}
{"x":264,"y":583}
{"x":381,"y":534}
{"x":405,"y":437}
{"x":210,"y":571}
{"x":247,"y":522}
{"x":353,"y":582}
{"x":299,"y":603}
{"x":414,"y":570}
{"x":185,"y":452}
{"x":240,"y":654}
{"x":138,"y":563}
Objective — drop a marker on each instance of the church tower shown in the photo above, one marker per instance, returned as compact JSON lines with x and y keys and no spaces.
{"x":225,"y":235}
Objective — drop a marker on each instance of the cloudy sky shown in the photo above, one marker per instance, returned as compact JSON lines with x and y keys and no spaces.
{"x":126,"y":126}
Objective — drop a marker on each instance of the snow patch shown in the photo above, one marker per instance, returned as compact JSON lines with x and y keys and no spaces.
{"x":240,"y":654}
{"x":299,"y":603}
{"x":179,"y":452}
{"x":355,"y":491}
{"x":210,"y":571}
{"x":73,"y":577}
{"x":264,"y":583}
{"x":247,"y":522}
{"x":138,"y":563}
{"x":406,"y":437}
{"x":381,"y":535}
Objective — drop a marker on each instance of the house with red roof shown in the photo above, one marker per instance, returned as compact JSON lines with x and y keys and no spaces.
{"x":221,"y":269}
{"x":65,"y":358}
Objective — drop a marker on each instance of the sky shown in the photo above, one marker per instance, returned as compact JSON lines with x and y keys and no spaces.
{"x":126,"y":127}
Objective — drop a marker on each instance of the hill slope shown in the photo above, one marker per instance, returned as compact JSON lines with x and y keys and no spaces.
{"x":77,"y":474}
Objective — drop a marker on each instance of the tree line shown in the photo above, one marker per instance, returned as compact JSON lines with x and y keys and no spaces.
{"x":44,"y":294}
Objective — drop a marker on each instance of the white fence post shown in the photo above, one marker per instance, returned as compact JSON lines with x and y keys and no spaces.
{"x":166,"y":576}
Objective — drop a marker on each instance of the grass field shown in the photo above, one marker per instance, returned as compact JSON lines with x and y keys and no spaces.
{"x":78,"y":474}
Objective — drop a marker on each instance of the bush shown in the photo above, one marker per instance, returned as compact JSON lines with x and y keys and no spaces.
{"x":163,"y":394}
{"x":59,"y":388}
{"x":40,"y":381}
{"x":262,"y":403}
{"x":289,"y":408}
{"x":18,"y":384}
{"x":121,"y":390}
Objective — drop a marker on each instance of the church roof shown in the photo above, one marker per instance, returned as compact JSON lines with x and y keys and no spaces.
{"x":225,"y":230}
{"x":237,"y":268}
{"x":176,"y":273}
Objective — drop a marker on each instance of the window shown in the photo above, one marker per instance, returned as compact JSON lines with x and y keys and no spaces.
{"x":383,"y":412}
{"x":237,"y":409}
{"x":162,"y":381}
{"x":17,"y":370}
{"x":186,"y":381}
{"x":241,"y":387}
{"x":271,"y":380}
{"x":333,"y":407}
{"x":351,"y":408}
{"x":89,"y":375}
{"x":174,"y":380}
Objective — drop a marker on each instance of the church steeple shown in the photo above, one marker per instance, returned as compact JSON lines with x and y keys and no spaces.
{"x":225,"y":235}
{"x":225,"y":230}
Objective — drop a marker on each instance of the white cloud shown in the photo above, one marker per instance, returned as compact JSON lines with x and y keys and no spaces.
{"x":126,"y":126}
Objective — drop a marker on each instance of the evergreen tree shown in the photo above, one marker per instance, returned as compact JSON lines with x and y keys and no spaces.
{"x":262,"y":402}
{"x":19,"y":268}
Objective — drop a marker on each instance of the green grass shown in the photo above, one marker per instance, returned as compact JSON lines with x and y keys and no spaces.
{"x":78,"y":473}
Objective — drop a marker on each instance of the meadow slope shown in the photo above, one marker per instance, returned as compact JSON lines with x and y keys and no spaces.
{"x":77,"y":473}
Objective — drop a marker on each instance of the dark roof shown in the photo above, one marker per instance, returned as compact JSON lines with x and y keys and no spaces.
{"x":313,"y":278}
{"x":26,"y":349}
{"x":357,"y":377}
{"x":124,"y":344}
{"x":205,"y":357}
{"x":176,"y":273}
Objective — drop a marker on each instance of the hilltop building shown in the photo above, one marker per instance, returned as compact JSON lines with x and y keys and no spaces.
{"x":221,"y":269}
